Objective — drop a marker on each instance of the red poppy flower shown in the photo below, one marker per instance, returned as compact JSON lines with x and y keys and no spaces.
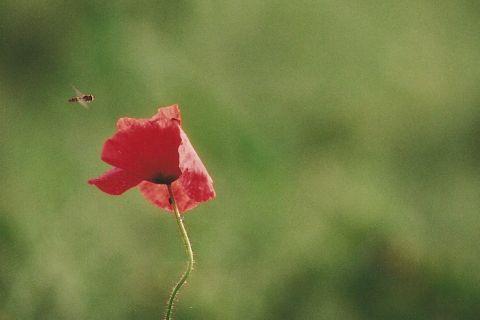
{"x":152,"y":153}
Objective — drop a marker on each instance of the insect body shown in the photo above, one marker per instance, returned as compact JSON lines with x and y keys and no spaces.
{"x":81,"y":98}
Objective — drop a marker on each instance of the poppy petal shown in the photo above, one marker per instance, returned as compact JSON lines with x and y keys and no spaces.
{"x":168,"y":113}
{"x":158,"y":195}
{"x":194,"y":185}
{"x":125,"y":123}
{"x":115,"y":181}
{"x":195,"y":180}
{"x":147,"y":149}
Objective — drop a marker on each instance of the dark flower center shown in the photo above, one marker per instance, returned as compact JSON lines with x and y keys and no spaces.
{"x":161,"y":179}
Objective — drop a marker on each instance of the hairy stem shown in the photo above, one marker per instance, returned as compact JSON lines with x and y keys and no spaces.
{"x":188,"y":251}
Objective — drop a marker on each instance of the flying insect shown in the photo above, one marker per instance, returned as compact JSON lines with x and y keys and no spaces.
{"x":81,"y":98}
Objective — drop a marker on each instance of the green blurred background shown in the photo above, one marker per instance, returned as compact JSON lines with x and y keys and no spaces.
{"x":343,"y":138}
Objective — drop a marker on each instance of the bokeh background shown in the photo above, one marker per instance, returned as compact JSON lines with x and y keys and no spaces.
{"x":343,"y":138}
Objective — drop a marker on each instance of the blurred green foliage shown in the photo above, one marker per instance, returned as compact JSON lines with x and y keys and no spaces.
{"x":343,"y":138}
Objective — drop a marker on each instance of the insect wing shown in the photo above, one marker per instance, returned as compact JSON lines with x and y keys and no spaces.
{"x":77,"y":92}
{"x":83,"y":103}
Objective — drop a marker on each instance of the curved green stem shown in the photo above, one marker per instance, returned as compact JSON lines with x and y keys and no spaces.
{"x":188,"y":251}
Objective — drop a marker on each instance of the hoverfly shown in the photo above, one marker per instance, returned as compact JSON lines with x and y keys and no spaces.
{"x":81,"y":98}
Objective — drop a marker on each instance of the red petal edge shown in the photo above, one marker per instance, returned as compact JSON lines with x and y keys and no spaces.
{"x":168,"y":113}
{"x":125,"y":123}
{"x":115,"y":181}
